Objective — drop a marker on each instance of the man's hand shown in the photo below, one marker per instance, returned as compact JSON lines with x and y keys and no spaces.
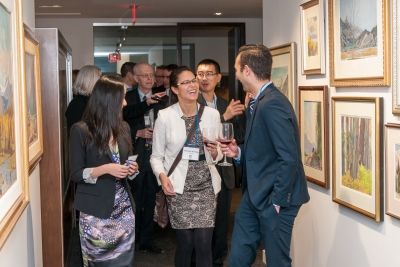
{"x":231,"y":150}
{"x":155,"y":98}
{"x":145,"y":133}
{"x":234,"y":108}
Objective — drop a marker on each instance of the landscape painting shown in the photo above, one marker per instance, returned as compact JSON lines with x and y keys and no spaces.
{"x":314,"y":134}
{"x":356,"y":154}
{"x":312,"y":137}
{"x":392,"y":161}
{"x":312,"y":36}
{"x":31,"y":98}
{"x":356,"y":159}
{"x":279,"y":76}
{"x":359,"y":35}
{"x":8,"y":174}
{"x":358,"y":29}
{"x":283,"y":72}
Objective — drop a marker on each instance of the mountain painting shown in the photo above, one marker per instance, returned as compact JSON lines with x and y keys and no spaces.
{"x":280,"y":78}
{"x":312,"y":154}
{"x":358,"y":29}
{"x":7,"y":137}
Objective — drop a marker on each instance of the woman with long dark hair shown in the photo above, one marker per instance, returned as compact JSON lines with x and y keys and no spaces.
{"x":99,"y":148}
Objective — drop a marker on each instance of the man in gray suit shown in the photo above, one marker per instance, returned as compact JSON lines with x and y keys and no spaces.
{"x":274,"y":184}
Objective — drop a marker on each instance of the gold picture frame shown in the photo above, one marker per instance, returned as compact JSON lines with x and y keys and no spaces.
{"x":13,"y":146}
{"x":392,"y":170}
{"x":396,"y":57}
{"x":283,"y":72}
{"x":34,"y":98}
{"x":314,"y":133}
{"x":356,"y":159}
{"x":312,"y":37}
{"x":359,"y":36}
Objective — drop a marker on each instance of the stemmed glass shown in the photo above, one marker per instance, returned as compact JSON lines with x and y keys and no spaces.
{"x":225,"y":137}
{"x":210,"y":135}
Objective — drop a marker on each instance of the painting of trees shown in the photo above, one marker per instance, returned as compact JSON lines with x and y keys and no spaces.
{"x":356,"y":153}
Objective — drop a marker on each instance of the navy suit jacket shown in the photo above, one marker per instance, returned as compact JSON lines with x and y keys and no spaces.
{"x":271,"y":157}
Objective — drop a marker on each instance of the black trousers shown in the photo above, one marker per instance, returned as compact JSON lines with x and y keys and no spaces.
{"x":144,"y":188}
{"x":220,"y":236}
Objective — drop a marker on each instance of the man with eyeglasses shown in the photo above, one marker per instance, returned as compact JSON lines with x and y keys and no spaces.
{"x":209,"y":76}
{"x":160,"y":75}
{"x":144,"y":105}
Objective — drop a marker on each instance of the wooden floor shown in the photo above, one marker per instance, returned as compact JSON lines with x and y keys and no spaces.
{"x":165,"y":238}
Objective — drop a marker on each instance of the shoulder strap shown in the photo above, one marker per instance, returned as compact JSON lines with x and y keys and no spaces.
{"x":179,"y":156}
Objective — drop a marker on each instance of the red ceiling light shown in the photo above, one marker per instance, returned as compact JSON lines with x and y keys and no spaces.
{"x":133,"y":13}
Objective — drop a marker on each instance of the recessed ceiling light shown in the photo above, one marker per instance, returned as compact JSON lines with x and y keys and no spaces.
{"x":218,"y":13}
{"x":51,"y":6}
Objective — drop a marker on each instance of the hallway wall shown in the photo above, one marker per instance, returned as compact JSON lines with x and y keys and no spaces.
{"x":23,"y":246}
{"x":79,"y":32}
{"x":325,"y":233}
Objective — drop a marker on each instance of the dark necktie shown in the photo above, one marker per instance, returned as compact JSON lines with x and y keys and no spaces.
{"x":252,"y":105}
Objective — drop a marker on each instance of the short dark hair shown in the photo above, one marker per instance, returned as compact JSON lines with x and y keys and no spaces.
{"x":209,"y":61}
{"x":173,"y":78}
{"x":161,"y":67}
{"x":103,"y":113}
{"x":126,"y":68}
{"x":171,"y":67}
{"x":258,"y":58}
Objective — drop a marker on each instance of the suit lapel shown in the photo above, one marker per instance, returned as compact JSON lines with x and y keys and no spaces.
{"x":250,"y":118}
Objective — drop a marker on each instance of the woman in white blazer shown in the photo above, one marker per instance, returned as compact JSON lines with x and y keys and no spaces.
{"x":193,"y":186}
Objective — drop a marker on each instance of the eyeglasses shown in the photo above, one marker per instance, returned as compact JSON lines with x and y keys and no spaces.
{"x":147,"y":75}
{"x":206,"y":74}
{"x":187,"y":82}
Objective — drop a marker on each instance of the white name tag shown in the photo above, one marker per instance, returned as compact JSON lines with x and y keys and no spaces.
{"x":191,"y":153}
{"x":146,"y":120}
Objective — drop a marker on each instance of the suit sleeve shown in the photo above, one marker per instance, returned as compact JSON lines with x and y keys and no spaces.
{"x":77,"y":154}
{"x":281,"y":127}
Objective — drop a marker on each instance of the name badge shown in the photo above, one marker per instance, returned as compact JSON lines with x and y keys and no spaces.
{"x":191,"y":153}
{"x":146,"y":120}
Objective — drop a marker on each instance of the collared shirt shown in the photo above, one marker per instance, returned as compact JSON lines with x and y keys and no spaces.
{"x":212,"y":104}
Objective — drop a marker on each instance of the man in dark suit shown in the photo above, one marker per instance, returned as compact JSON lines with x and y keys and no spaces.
{"x":209,"y":75}
{"x":141,"y":113}
{"x":274,"y":184}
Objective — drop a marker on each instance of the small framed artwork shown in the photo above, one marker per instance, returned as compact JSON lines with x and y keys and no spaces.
{"x":312,"y":37}
{"x":283,"y":73}
{"x":357,"y":159}
{"x":393,"y":170}
{"x":314,"y":133}
{"x":359,"y":36}
{"x":396,"y":57}
{"x":13,"y":146}
{"x":33,"y":98}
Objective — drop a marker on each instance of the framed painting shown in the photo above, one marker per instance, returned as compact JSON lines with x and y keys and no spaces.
{"x":13,"y":145}
{"x":283,"y":73}
{"x":312,"y":37}
{"x":357,"y":160}
{"x":393,"y":170}
{"x":396,"y":57}
{"x":33,"y":97}
{"x":314,"y":133}
{"x":359,"y":36}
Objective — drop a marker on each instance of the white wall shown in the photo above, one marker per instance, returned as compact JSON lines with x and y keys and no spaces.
{"x":23,"y":247}
{"x":325,"y":233}
{"x":79,"y":32}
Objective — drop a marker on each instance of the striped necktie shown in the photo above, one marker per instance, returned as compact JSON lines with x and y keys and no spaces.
{"x":252,"y":103}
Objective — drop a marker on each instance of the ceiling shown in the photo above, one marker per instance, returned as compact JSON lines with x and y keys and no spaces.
{"x":149,"y":8}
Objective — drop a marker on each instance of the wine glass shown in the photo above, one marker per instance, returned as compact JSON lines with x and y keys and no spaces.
{"x":210,"y":135}
{"x":225,"y":137}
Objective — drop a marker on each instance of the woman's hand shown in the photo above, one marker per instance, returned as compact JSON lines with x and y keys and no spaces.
{"x":167,"y":185}
{"x":212,"y":148}
{"x":117,"y":170}
{"x":133,"y":168}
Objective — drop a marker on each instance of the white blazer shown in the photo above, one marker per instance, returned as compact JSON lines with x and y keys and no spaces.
{"x":169,"y":136}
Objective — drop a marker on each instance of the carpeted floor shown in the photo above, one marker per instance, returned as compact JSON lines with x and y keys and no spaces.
{"x":165,"y":238}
